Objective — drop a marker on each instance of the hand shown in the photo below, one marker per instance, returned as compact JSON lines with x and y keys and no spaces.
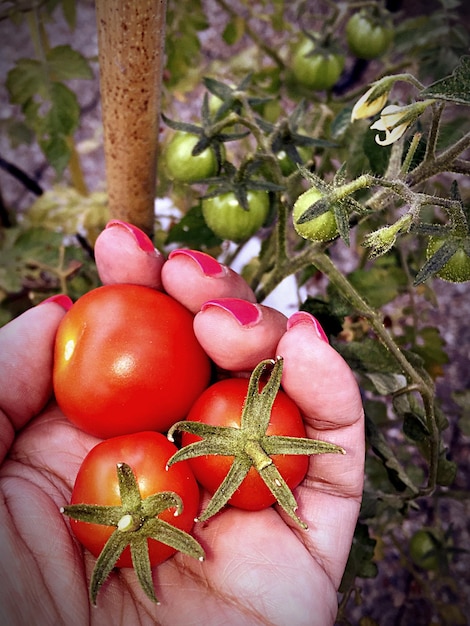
{"x":259,"y":568}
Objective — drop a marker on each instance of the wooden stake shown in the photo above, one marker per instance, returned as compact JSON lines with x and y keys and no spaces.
{"x":131,"y":35}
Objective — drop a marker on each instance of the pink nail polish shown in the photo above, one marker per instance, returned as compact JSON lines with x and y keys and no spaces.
{"x":143,"y":241}
{"x":302,"y":317}
{"x":246,"y":313}
{"x":64,"y":301}
{"x":208,"y":265}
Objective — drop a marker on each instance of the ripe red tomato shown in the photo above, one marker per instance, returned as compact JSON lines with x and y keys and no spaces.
{"x":147,"y":454}
{"x":126,"y":360}
{"x":221,"y":405}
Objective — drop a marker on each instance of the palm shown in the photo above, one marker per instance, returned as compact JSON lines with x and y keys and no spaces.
{"x":257,"y":570}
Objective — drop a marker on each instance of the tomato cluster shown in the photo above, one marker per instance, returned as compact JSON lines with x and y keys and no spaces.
{"x":128,"y":368}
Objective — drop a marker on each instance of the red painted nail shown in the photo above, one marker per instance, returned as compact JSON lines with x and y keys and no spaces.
{"x":143,"y":241}
{"x":64,"y":301}
{"x":246,"y":313}
{"x":302,"y":317}
{"x":208,"y":265}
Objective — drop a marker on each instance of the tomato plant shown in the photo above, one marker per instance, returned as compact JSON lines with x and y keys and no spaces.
{"x":182,"y":165}
{"x":424,"y":549}
{"x":320,"y":228}
{"x":457,"y":268}
{"x":126,"y":359}
{"x":229,"y":220}
{"x":246,"y":443}
{"x":367,"y":37}
{"x":316,"y":69}
{"x":288,"y":165}
{"x":124,"y":497}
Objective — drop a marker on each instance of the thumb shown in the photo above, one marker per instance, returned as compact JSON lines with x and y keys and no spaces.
{"x":26,"y":358}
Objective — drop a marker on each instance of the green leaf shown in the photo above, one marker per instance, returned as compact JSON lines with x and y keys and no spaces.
{"x":69,"y":10}
{"x":395,"y":470}
{"x":360,"y":561}
{"x":386,"y":384}
{"x":64,"y":114}
{"x":193,"y":231}
{"x":66,"y":64}
{"x":415,"y":428}
{"x":379,"y":284}
{"x":25,"y":80}
{"x":234,"y":30}
{"x":446,"y":471}
{"x":430,"y":348}
{"x":57,"y":152}
{"x":367,"y":356}
{"x":453,"y":88}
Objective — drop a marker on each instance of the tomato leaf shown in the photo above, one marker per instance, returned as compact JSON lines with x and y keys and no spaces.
{"x":65,"y":63}
{"x":453,"y":88}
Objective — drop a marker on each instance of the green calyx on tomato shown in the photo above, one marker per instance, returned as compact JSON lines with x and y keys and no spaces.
{"x":121,"y":514}
{"x":315,"y":67}
{"x":368,"y":36}
{"x":320,"y":227}
{"x":246,"y":444}
{"x":454,"y":259}
{"x":448,"y":258}
{"x":228,"y":219}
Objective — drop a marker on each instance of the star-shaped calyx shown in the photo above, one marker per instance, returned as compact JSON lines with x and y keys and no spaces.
{"x":136,"y":521}
{"x":250,"y":445}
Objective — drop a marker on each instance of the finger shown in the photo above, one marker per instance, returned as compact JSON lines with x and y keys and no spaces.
{"x":26,"y":358}
{"x":193,"y":277}
{"x":316,"y":376}
{"x":124,"y":254}
{"x":237,"y":334}
{"x":323,"y":386}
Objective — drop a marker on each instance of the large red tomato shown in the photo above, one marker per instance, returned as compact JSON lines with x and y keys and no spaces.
{"x":147,"y":454}
{"x":127,"y":360}
{"x":221,"y":405}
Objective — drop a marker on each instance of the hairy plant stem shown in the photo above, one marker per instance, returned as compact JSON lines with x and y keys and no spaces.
{"x":316,"y":255}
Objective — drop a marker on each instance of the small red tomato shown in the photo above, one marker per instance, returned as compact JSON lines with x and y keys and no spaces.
{"x":221,"y":405}
{"x":126,"y":360}
{"x":147,"y":454}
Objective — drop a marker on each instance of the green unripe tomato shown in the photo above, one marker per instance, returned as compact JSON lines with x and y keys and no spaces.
{"x":287,"y":164}
{"x":366,"y":37}
{"x":319,"y":71}
{"x":457,"y":268}
{"x":423,"y":550}
{"x":181,"y":165}
{"x":229,"y":220}
{"x":321,"y":228}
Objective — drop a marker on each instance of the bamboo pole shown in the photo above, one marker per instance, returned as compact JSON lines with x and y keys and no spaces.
{"x":131,"y":35}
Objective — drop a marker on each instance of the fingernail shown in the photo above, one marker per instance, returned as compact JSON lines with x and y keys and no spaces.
{"x":64,"y":301}
{"x":302,"y":317}
{"x":246,"y":313}
{"x":207,"y":264}
{"x":143,"y":241}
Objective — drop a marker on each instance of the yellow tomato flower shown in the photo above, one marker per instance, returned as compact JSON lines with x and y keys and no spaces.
{"x":368,"y":105}
{"x":389,"y":122}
